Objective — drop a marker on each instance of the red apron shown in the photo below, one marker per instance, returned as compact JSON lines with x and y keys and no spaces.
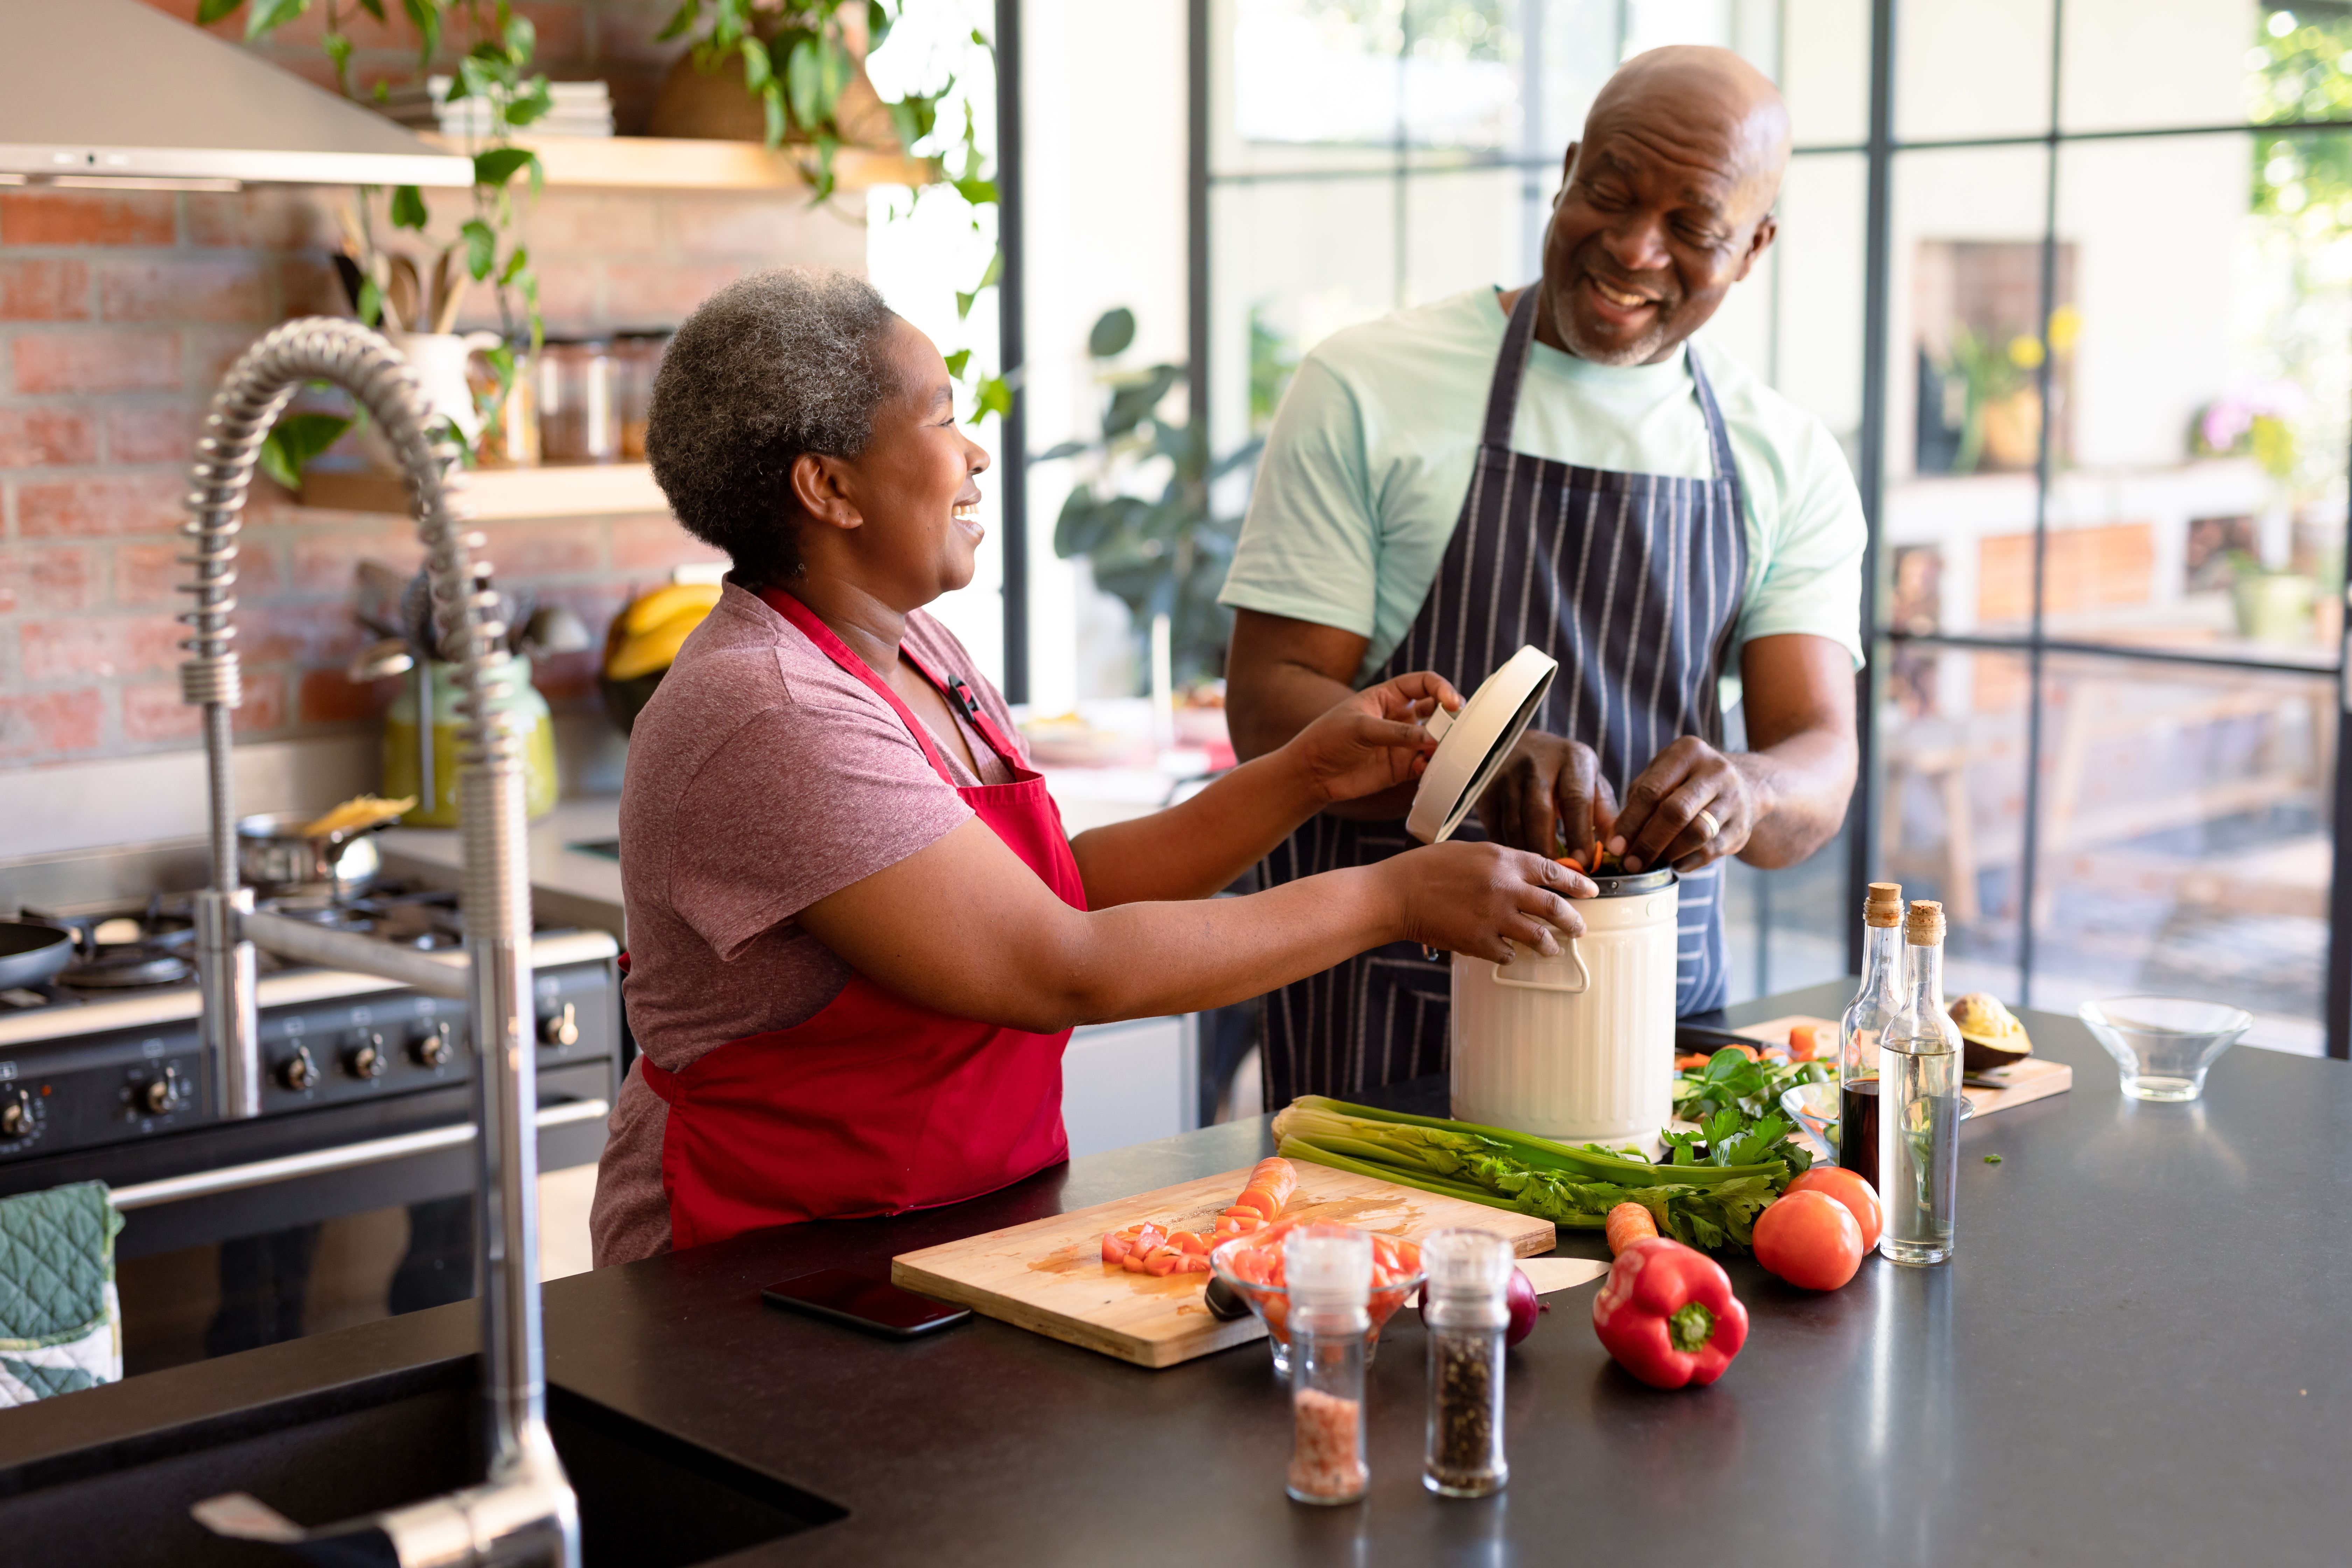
{"x":874,"y":1106}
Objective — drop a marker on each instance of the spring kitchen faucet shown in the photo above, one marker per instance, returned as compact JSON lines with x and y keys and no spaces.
{"x":524,"y":1511}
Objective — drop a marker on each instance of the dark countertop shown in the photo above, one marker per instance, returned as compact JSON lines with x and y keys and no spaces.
{"x":2129,"y":1359}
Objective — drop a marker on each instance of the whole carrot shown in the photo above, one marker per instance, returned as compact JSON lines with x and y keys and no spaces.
{"x":1627,"y":1223}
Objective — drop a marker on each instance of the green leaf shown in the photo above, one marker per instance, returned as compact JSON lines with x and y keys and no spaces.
{"x":1113,"y":333}
{"x":992,"y":395}
{"x":517,"y":261}
{"x":1059,"y":450}
{"x":370,"y":304}
{"x":374,"y":8}
{"x":424,"y":15}
{"x":1133,"y":402}
{"x":804,"y":74}
{"x":495,"y":166}
{"x":408,"y":207}
{"x":294,"y":440}
{"x":878,"y":24}
{"x":339,"y":53}
{"x":964,"y":302}
{"x":688,"y":12}
{"x":957,"y":361}
{"x":210,"y":11}
{"x":267,"y":16}
{"x":481,"y":248}
{"x":980,"y":192}
{"x":530,"y":104}
{"x":758,"y":70}
{"x":521,"y":39}
{"x":772,"y":101}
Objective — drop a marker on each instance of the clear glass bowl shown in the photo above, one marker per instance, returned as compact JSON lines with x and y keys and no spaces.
{"x":1272,"y":1302}
{"x":2164,"y":1044}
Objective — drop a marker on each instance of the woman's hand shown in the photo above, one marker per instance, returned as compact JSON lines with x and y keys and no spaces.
{"x":1479,"y":899}
{"x":1371,"y":741}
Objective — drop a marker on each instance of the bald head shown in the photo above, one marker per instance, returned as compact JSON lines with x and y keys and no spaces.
{"x":1665,"y":203}
{"x":1709,"y":98}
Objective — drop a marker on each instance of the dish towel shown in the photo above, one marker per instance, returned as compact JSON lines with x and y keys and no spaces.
{"x":61,"y":1320}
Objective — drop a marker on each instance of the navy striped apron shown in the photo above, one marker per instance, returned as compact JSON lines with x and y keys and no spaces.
{"x":1633,"y":582}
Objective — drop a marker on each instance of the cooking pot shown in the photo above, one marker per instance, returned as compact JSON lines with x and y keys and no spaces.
{"x":1582,"y":1047}
{"x":274,"y":856}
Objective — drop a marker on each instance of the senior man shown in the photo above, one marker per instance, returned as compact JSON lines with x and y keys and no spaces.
{"x":1559,"y":465}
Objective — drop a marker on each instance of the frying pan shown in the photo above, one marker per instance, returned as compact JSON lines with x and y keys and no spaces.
{"x":31,"y":952}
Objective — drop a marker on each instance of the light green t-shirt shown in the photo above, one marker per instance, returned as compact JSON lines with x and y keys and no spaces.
{"x":1371,"y":451}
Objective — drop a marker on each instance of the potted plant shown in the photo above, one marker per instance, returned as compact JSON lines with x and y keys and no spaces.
{"x":1162,"y":556}
{"x":417,"y":305}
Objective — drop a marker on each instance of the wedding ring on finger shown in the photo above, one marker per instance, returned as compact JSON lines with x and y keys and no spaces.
{"x":1708,"y":826}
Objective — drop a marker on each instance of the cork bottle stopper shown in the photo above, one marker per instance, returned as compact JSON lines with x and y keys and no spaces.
{"x":1924,"y":926}
{"x":1884,"y":905}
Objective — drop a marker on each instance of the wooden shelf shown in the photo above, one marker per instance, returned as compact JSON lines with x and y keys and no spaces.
{"x":675,"y":164}
{"x":567,"y":489}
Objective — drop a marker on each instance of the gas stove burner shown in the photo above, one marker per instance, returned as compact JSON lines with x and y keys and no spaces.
{"x":319,"y":909}
{"x":123,"y":968}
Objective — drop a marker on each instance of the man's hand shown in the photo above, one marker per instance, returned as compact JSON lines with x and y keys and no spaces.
{"x":1548,"y":790}
{"x":1371,"y":741}
{"x":1692,"y":807}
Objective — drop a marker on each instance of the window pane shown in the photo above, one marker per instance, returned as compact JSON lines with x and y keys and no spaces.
{"x":1952,"y":740}
{"x":1824,"y":71}
{"x":1788,"y":928}
{"x":1971,"y":68}
{"x":1812,"y":287}
{"x":2185,"y":844}
{"x":2147,"y":63}
{"x":2203,"y":391}
{"x":1963,"y":414}
{"x":1465,"y":231}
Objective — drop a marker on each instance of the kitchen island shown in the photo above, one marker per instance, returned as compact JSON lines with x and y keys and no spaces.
{"x":2129,"y":1361}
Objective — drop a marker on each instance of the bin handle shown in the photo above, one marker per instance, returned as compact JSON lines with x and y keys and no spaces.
{"x":1583,"y":976}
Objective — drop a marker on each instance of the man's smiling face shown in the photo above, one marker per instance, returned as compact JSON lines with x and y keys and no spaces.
{"x":1665,"y":205}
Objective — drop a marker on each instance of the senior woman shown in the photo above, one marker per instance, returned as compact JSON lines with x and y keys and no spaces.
{"x":858,"y":935}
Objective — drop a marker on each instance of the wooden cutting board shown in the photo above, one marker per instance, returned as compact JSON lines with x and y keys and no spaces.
{"x":1999,"y":1088}
{"x":1048,"y":1276}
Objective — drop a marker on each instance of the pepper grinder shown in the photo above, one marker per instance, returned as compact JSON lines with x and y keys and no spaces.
{"x":1466,"y":1310}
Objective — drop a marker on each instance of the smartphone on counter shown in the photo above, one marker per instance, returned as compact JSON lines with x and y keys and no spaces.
{"x":862,"y":1303}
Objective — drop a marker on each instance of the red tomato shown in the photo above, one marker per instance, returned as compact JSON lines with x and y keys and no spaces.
{"x":1810,"y":1240}
{"x":1849,"y":1189}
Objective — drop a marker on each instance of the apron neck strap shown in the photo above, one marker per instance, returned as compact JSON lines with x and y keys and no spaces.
{"x":1511,"y":369}
{"x":831,"y":645}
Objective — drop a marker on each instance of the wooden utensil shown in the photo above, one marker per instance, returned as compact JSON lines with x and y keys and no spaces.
{"x":1048,"y":1276}
{"x":405,"y":291}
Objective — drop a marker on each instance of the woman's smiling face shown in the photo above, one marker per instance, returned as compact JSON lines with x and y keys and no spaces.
{"x":910,"y":528}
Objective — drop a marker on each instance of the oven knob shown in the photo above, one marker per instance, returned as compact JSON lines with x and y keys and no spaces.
{"x":431,"y":1046}
{"x":15,"y":1115}
{"x":159,"y":1095}
{"x":299,"y":1071}
{"x":366,"y":1060}
{"x":561,"y":1028}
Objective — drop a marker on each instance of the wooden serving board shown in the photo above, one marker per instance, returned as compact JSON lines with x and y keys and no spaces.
{"x":1998,"y":1089}
{"x":1048,"y":1276}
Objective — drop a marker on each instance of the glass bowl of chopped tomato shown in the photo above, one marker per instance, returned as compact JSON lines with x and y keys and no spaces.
{"x":1250,"y":1267}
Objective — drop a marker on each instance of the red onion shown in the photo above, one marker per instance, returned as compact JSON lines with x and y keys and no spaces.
{"x":1519,"y":1295}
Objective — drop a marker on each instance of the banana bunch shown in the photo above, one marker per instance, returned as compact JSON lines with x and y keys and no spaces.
{"x":646,"y":634}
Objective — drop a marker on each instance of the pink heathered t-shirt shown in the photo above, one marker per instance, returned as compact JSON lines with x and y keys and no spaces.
{"x":761,"y":777}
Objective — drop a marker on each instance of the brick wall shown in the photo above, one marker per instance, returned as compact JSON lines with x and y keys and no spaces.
{"x":118,"y":313}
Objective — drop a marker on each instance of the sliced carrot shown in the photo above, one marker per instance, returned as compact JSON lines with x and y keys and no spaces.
{"x":1803,"y":1042}
{"x":1189,"y":1241}
{"x":1627,"y":1223}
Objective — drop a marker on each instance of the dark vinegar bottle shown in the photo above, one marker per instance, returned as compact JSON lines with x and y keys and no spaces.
{"x":1858,"y":1031}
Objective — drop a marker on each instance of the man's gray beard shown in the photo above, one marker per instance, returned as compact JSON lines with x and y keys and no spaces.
{"x":1563,"y":321}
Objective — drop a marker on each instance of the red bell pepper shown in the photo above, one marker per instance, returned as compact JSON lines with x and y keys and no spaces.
{"x":1666,"y":1312}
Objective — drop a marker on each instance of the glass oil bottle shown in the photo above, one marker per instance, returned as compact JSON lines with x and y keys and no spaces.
{"x":1920,"y":1102}
{"x":1866,"y":1019}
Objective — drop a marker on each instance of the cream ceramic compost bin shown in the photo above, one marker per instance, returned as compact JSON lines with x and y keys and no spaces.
{"x":1579,"y":1048}
{"x":1582,"y":1047}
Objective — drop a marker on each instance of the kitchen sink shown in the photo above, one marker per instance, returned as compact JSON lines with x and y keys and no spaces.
{"x":648,"y":1499}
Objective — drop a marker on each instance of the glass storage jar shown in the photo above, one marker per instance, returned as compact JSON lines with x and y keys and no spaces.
{"x":578,"y":420}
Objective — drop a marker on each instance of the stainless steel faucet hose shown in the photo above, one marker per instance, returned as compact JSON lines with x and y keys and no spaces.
{"x":525,"y":1511}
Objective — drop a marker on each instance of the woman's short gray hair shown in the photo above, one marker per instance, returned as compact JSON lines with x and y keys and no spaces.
{"x":780,"y":363}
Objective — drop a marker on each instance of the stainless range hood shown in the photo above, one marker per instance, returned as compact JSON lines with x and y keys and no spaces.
{"x":113,"y":91}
